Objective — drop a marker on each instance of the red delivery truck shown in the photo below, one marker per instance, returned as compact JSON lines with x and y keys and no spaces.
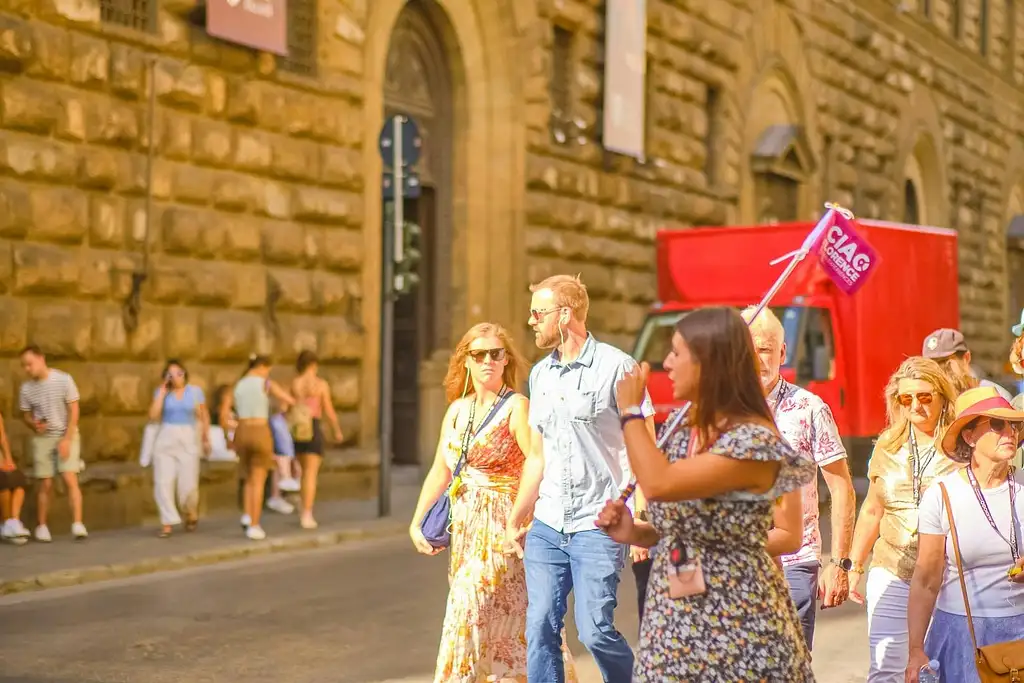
{"x":843,"y":348}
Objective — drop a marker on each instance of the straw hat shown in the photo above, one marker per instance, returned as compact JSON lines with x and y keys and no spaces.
{"x":974,"y":403}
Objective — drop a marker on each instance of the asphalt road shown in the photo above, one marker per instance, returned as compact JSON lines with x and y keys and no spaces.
{"x":362,"y":613}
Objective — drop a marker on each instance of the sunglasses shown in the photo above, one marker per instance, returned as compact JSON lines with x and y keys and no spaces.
{"x":907,"y":400}
{"x":537,"y":315}
{"x":497,"y":355}
{"x":998,"y":424}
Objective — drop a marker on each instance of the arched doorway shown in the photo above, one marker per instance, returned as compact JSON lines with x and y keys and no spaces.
{"x":418,"y":83}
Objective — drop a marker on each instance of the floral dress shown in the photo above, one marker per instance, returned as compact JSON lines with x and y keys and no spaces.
{"x":484,"y":634}
{"x":744,"y":627}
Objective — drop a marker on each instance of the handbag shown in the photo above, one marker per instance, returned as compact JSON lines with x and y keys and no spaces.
{"x":437,"y":523}
{"x":999,"y":662}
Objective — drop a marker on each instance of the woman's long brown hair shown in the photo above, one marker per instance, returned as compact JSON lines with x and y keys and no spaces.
{"x":456,"y":381}
{"x":729,"y":383}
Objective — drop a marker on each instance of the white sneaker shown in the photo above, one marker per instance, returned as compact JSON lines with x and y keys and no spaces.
{"x":280,"y":505}
{"x":290,"y":485}
{"x":43,"y":534}
{"x":255,"y":533}
{"x":9,"y":533}
{"x":307,"y":522}
{"x":246,"y":521}
{"x":19,"y":529}
{"x":79,"y":531}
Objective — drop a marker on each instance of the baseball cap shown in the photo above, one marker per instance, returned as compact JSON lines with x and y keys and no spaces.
{"x":943,"y":343}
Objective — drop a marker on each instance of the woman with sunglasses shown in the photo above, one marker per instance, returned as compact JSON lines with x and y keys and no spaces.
{"x":986,"y":501}
{"x":181,"y":439}
{"x":483,"y":637}
{"x":906,"y":461}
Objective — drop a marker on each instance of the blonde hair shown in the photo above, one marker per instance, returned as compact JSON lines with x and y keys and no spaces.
{"x":766,"y":323}
{"x":456,"y":380}
{"x":568,"y":291}
{"x":897,"y":424}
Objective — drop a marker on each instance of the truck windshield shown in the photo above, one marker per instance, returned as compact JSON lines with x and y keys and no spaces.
{"x":655,"y":339}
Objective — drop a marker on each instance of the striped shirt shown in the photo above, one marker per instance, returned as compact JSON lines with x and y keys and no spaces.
{"x":48,"y":399}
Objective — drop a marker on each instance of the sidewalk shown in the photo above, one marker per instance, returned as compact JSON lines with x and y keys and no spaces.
{"x":117,"y":554}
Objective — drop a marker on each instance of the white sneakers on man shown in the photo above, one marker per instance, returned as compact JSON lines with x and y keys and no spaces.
{"x":14,"y":532}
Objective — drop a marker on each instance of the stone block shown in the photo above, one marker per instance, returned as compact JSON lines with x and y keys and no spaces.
{"x":109,"y":338}
{"x":59,"y":215}
{"x":62,"y":329}
{"x":318,"y":205}
{"x":90,"y":61}
{"x":295,"y":159}
{"x":253,"y":152}
{"x":42,"y":269}
{"x":298,"y":333}
{"x":112,"y":123}
{"x":250,"y":286}
{"x":27,"y":106}
{"x":181,"y":332}
{"x":92,"y":381}
{"x":210,"y":284}
{"x":99,"y":168}
{"x":146,"y":342}
{"x":6,"y":266}
{"x":15,"y":209}
{"x":180,"y":85}
{"x":70,"y":116}
{"x":211,"y":143}
{"x":243,"y":100}
{"x":294,"y":289}
{"x":344,"y":384}
{"x":231,"y":191}
{"x":112,"y":440}
{"x":129,"y":389}
{"x":242,"y":238}
{"x":191,"y":231}
{"x":192,"y":184}
{"x":96,"y":275}
{"x":282,"y":242}
{"x":127,"y":70}
{"x":227,"y":335}
{"x":106,"y":221}
{"x":341,"y":167}
{"x":216,"y":94}
{"x":343,"y":249}
{"x":16,"y":47}
{"x":340,"y":340}
{"x":176,"y":138}
{"x":329,"y":292}
{"x":34,"y":159}
{"x":13,"y":324}
{"x":168,"y":282}
{"x":273,"y":199}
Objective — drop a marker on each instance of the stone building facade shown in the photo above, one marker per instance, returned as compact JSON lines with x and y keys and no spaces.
{"x":262,"y":220}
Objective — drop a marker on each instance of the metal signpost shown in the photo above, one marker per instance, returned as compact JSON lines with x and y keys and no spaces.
{"x":400,"y":146}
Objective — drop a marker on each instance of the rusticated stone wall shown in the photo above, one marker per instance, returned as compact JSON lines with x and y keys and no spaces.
{"x":254,"y":233}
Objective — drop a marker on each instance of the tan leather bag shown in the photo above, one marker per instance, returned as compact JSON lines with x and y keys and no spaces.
{"x":997,"y":663}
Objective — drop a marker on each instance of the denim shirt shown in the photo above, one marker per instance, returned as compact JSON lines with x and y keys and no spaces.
{"x":573,"y":407}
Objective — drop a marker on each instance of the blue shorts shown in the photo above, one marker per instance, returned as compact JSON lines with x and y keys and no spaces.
{"x":284,"y":446}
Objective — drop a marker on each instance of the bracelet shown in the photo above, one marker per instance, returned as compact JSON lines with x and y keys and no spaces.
{"x":626,"y":418}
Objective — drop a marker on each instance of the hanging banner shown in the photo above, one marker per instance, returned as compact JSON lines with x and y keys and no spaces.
{"x":259,"y":24}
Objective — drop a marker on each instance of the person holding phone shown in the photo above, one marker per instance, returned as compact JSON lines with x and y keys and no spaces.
{"x":182,"y":439}
{"x":718,"y":608}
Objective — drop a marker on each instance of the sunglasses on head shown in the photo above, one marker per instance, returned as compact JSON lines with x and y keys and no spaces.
{"x":924,"y":398}
{"x":998,"y":424}
{"x":497,"y":355}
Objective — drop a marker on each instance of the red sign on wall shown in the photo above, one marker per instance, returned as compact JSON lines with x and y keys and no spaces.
{"x":260,"y":24}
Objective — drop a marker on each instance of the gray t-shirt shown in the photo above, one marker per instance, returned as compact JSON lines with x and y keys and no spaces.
{"x":48,"y":399}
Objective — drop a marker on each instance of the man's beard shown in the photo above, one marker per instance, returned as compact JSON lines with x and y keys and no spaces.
{"x":546,"y":340}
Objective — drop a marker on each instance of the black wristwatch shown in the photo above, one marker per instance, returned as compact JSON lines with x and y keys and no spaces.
{"x":844,"y":563}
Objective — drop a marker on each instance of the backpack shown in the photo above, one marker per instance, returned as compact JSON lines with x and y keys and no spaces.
{"x":300,"y":422}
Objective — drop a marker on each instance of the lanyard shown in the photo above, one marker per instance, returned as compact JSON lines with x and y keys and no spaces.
{"x":470,"y":434}
{"x":1014,"y":551}
{"x":917,"y":467}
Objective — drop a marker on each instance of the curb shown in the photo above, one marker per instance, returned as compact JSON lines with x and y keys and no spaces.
{"x":97,"y":573}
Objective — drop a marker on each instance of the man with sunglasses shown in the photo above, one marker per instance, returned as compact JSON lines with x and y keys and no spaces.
{"x":576,"y":463}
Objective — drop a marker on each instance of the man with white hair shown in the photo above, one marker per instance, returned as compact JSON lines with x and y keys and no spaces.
{"x":806,"y":423}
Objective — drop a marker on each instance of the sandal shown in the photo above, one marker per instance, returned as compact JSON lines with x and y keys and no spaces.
{"x":191,"y":524}
{"x":165,"y":532}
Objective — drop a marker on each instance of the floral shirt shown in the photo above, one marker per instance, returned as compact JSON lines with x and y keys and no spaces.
{"x":807,"y":425}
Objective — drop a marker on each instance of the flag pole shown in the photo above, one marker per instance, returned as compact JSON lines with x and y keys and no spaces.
{"x":799,"y":255}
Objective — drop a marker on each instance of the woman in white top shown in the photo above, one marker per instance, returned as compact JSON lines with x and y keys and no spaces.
{"x":987,"y":502}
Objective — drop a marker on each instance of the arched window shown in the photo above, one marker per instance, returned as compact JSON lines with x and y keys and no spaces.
{"x":780,"y":164}
{"x":911,"y":205}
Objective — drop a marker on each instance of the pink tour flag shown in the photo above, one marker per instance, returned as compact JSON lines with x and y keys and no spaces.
{"x":847,"y":257}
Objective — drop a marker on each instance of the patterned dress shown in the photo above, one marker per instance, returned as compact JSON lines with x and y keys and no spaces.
{"x":744,"y":627}
{"x":484,"y":634}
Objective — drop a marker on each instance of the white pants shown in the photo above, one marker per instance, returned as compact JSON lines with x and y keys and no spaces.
{"x":887,"y":597}
{"x":176,"y":454}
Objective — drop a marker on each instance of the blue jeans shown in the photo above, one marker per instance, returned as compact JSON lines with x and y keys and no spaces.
{"x":803,"y":588}
{"x":556,"y":563}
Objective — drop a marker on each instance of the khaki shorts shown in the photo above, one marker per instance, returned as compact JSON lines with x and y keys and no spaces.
{"x":254,"y":445}
{"x":44,"y":456}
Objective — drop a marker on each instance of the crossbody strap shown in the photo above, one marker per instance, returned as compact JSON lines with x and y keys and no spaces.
{"x":469,"y":435}
{"x":959,"y":562}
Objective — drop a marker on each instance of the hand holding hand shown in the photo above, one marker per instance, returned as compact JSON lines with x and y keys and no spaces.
{"x":639,"y":553}
{"x":617,"y":521}
{"x":514,"y":536}
{"x":629,"y":391}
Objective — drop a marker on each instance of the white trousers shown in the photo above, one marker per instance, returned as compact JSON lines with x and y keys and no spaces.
{"x":176,"y":454}
{"x":887,"y":597}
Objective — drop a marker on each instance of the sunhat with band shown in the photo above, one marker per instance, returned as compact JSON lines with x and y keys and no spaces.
{"x":975,"y":403}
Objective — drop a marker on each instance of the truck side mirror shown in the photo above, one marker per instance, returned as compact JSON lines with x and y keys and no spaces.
{"x":822,"y":364}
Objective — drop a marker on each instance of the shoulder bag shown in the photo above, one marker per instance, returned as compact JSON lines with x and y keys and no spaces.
{"x":999,"y":662}
{"x":437,"y":523}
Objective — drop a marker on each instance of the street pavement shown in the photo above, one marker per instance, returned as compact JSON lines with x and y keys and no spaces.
{"x":366,"y":611}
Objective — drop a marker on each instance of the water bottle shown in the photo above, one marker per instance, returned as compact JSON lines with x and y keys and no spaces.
{"x":930,"y":673}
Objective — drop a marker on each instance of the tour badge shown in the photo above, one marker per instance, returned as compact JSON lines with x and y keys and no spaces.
{"x":685,"y":575}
